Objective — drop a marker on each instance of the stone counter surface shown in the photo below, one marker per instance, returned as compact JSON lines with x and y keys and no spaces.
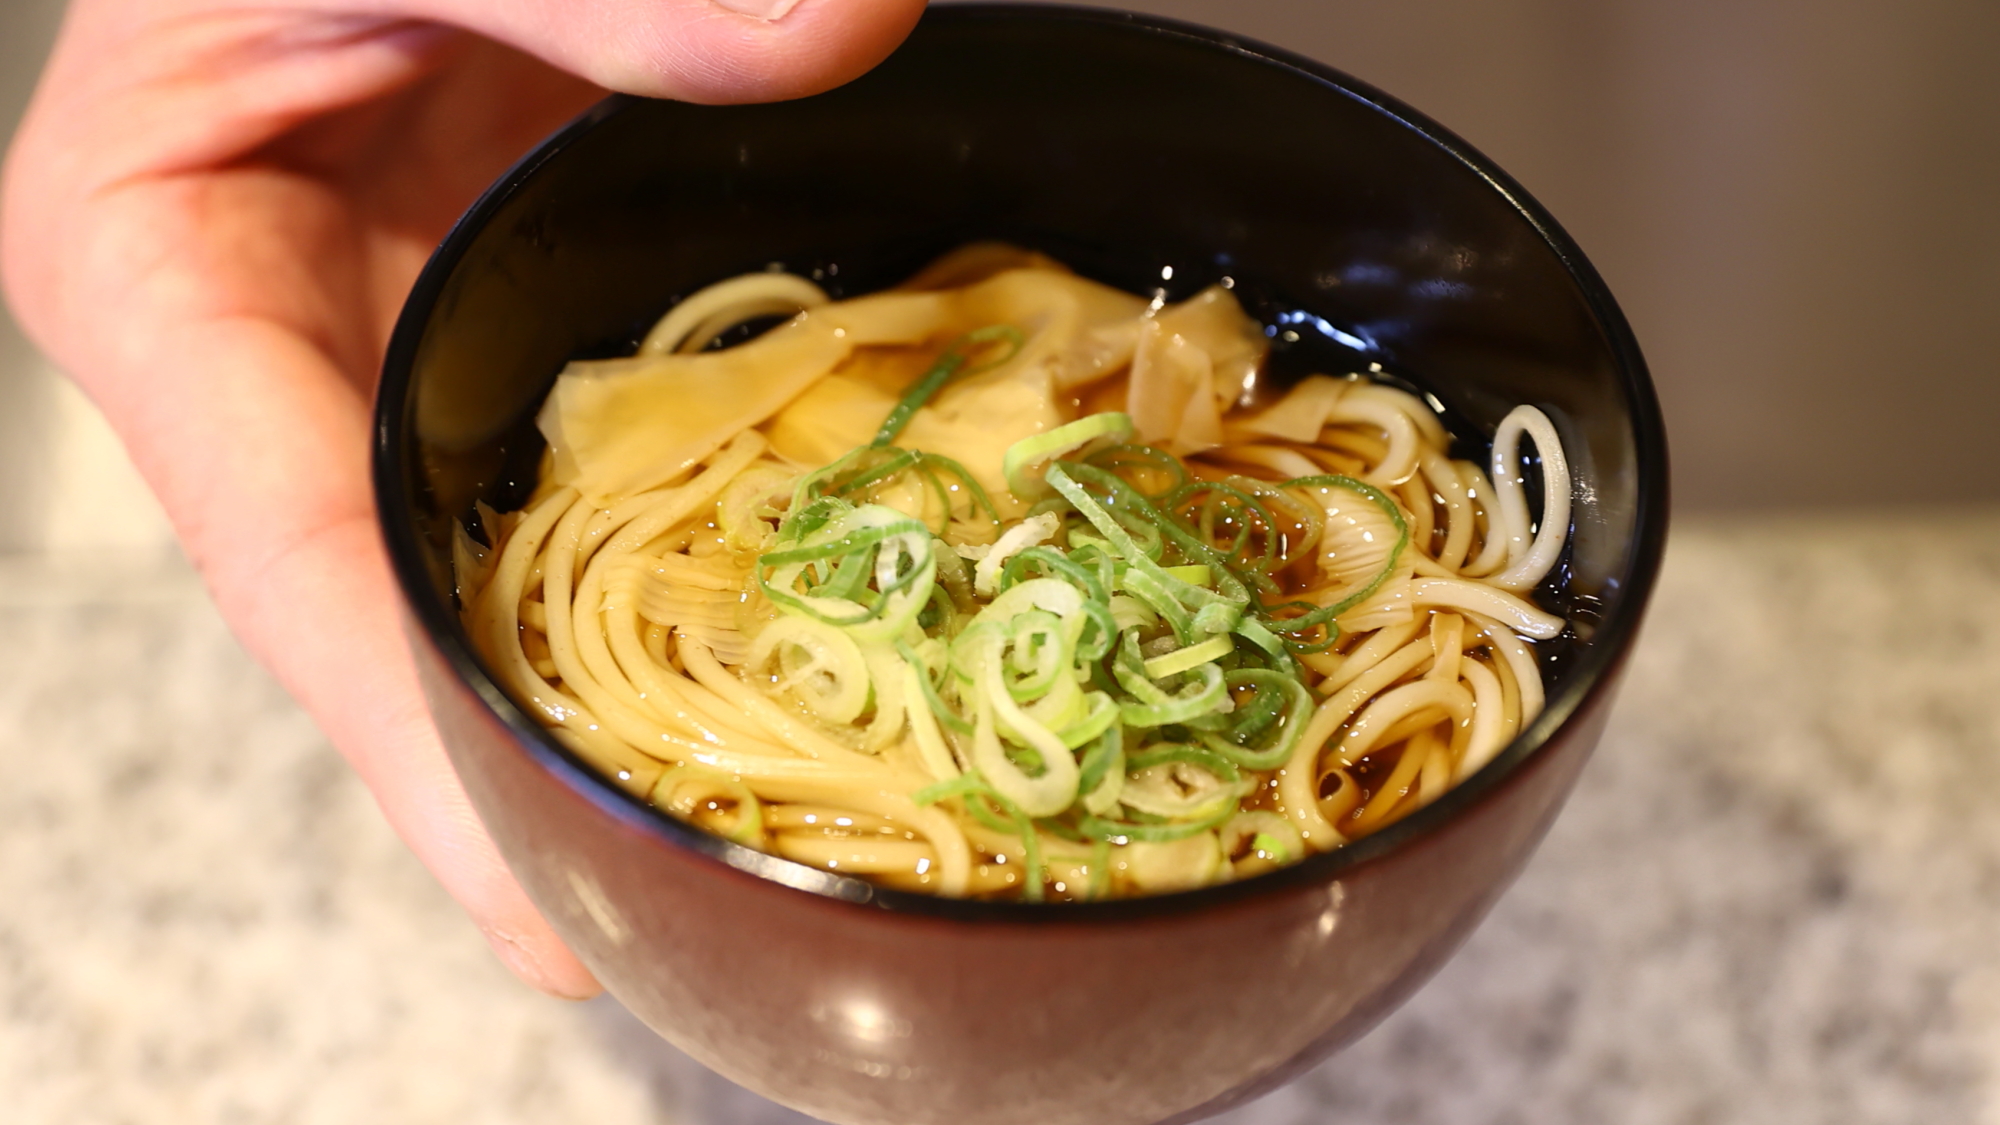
{"x":1774,"y":898}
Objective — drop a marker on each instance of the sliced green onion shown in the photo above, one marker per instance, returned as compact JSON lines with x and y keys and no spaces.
{"x":1024,"y":457}
{"x":1036,"y":875}
{"x":1222,"y":501}
{"x":886,"y":675}
{"x":741,"y":509}
{"x":1125,"y":832}
{"x":903,"y":569}
{"x":960,"y":786}
{"x":953,"y":575}
{"x":975,"y":791}
{"x":1028,"y":533}
{"x":1143,"y":457}
{"x":1158,"y":597}
{"x":1380,"y":500}
{"x":1024,"y":681}
{"x":1056,"y":565}
{"x":1180,"y":660}
{"x":982,"y":504}
{"x":1099,"y":634}
{"x":1100,"y":869}
{"x":1131,"y":613}
{"x":818,"y":664}
{"x":1253,"y":630}
{"x":1202,"y":694}
{"x":1044,"y":794}
{"x":1272,"y":837}
{"x":1215,"y":619}
{"x":1261,"y":711}
{"x":1038,"y":653}
{"x":1129,"y":499}
{"x":1103,"y":772}
{"x":1100,"y":714}
{"x":1166,"y":753}
{"x":1235,"y":744}
{"x":951,"y":363}
{"x":894,"y":466}
{"x":932,"y":701}
{"x":923,"y":719}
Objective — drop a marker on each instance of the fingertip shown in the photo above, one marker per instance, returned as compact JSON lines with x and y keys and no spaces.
{"x":814,"y":47}
{"x":713,"y":52}
{"x":543,"y":963}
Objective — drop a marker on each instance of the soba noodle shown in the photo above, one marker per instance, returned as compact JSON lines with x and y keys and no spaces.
{"x":1002,"y":584}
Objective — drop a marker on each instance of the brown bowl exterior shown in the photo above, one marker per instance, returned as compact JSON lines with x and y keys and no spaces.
{"x":1146,"y":154}
{"x":864,"y":1017}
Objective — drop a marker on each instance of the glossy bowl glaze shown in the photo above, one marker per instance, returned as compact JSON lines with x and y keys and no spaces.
{"x":1147,"y":154}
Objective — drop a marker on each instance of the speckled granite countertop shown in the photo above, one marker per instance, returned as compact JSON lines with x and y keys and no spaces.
{"x":1775,"y":897}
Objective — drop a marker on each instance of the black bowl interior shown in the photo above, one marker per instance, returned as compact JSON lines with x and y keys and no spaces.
{"x":1149,"y":155}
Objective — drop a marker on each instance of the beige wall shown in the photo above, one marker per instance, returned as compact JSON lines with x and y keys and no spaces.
{"x":1795,"y":200}
{"x":25,"y":388}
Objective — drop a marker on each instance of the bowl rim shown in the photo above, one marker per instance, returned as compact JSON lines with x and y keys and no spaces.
{"x":1594,"y":673}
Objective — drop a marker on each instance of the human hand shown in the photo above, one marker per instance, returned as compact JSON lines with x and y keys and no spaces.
{"x":211,"y":217}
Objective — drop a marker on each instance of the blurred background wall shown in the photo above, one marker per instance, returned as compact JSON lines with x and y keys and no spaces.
{"x":25,"y":385}
{"x":1797,"y":201}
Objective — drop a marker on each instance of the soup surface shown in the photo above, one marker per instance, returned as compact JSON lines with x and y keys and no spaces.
{"x":1004,"y":583}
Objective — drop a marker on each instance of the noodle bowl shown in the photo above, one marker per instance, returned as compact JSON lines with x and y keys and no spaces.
{"x":1127,"y":144}
{"x":1004,"y":583}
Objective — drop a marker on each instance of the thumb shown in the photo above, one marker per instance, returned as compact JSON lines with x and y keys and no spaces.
{"x":694,"y":50}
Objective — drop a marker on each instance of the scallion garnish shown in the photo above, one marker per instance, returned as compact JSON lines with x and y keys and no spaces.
{"x":1107,"y":670}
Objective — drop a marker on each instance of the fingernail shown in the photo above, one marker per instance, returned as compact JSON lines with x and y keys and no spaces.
{"x":759,"y":9}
